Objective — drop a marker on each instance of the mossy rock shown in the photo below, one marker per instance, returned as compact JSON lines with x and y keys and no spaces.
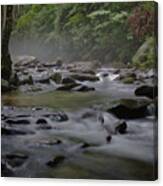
{"x":28,"y":80}
{"x":57,"y":77}
{"x":5,"y":85}
{"x":128,"y":80}
{"x":145,"y":56}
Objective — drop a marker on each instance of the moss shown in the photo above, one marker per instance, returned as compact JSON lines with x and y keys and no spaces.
{"x":56,"y":77}
{"x":145,"y":56}
{"x":128,"y":80}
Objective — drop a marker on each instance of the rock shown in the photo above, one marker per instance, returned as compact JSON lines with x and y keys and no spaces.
{"x":11,"y":131}
{"x":109,"y":138}
{"x":16,"y":160}
{"x":121,"y":127}
{"x":84,"y":77}
{"x":88,"y":114}
{"x":117,"y":71}
{"x":44,"y":127}
{"x":45,"y":80}
{"x":104,"y":74}
{"x":20,"y":121}
{"x":68,"y":87}
{"x":6,"y":171}
{"x":25,"y":61}
{"x":85,"y":145}
{"x":16,"y":156}
{"x":128,"y":80}
{"x":145,"y":56}
{"x":50,"y":143}
{"x":5,"y":85}
{"x":57,"y":160}
{"x":41,"y":121}
{"x":127,"y":74}
{"x":14,"y":80}
{"x":3,"y":117}
{"x":59,"y":63}
{"x":57,"y":77}
{"x":148,"y":91}
{"x":151,"y":73}
{"x":60,"y":117}
{"x":130,"y":109}
{"x":83,"y":88}
{"x":68,"y":80}
{"x":28,"y":80}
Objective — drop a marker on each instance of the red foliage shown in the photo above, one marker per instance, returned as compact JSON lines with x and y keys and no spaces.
{"x":141,"y":22}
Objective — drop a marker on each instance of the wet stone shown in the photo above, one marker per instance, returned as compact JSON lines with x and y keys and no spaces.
{"x":41,"y":121}
{"x":20,"y":121}
{"x":44,"y":127}
{"x":16,"y":160}
{"x":121,"y":128}
{"x":108,"y":138}
{"x":6,"y":171}
{"x":56,"y":161}
{"x":11,"y":131}
{"x":85,"y":145}
{"x":60,"y":117}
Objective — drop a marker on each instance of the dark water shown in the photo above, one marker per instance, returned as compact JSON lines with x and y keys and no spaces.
{"x":129,"y":156}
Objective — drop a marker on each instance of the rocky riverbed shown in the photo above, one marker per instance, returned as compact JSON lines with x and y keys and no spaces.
{"x":79,"y":121}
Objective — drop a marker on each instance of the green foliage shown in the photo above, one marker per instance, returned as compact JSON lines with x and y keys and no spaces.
{"x":89,"y":30}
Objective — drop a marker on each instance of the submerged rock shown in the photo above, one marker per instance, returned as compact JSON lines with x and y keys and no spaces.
{"x":26,"y":80}
{"x":68,"y":80}
{"x":19,"y":121}
{"x":83,"y":88}
{"x":6,"y":171}
{"x":57,"y":78}
{"x":41,"y":121}
{"x":5,"y":85}
{"x":59,"y":116}
{"x":85,"y":145}
{"x":129,"y":108}
{"x":109,"y":138}
{"x":16,"y":160}
{"x":68,"y":87}
{"x":148,"y":91}
{"x":121,"y":127}
{"x":44,"y":127}
{"x":57,"y":160}
{"x":11,"y":131}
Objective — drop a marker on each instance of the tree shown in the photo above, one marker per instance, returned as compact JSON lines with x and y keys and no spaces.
{"x":6,"y":25}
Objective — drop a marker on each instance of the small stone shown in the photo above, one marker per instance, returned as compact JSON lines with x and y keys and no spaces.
{"x":41,"y":121}
{"x":57,"y":160}
{"x":108,"y":138}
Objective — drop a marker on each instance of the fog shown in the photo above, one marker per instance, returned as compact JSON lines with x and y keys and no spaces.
{"x":44,"y":51}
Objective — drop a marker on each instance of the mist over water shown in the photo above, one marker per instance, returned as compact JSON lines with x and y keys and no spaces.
{"x":43,"y":50}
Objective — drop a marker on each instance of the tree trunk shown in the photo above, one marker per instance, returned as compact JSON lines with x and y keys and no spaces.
{"x":6,"y":25}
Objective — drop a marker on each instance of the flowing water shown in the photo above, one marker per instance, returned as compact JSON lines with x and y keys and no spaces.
{"x":128,"y":156}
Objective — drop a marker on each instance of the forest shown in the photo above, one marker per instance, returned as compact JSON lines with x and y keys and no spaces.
{"x":79,"y":90}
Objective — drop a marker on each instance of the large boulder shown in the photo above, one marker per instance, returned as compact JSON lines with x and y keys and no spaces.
{"x":145,"y":56}
{"x":147,"y":91}
{"x":129,"y":108}
{"x":29,"y":61}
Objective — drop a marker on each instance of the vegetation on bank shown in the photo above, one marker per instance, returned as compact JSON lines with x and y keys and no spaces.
{"x":113,"y":33}
{"x":109,"y":32}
